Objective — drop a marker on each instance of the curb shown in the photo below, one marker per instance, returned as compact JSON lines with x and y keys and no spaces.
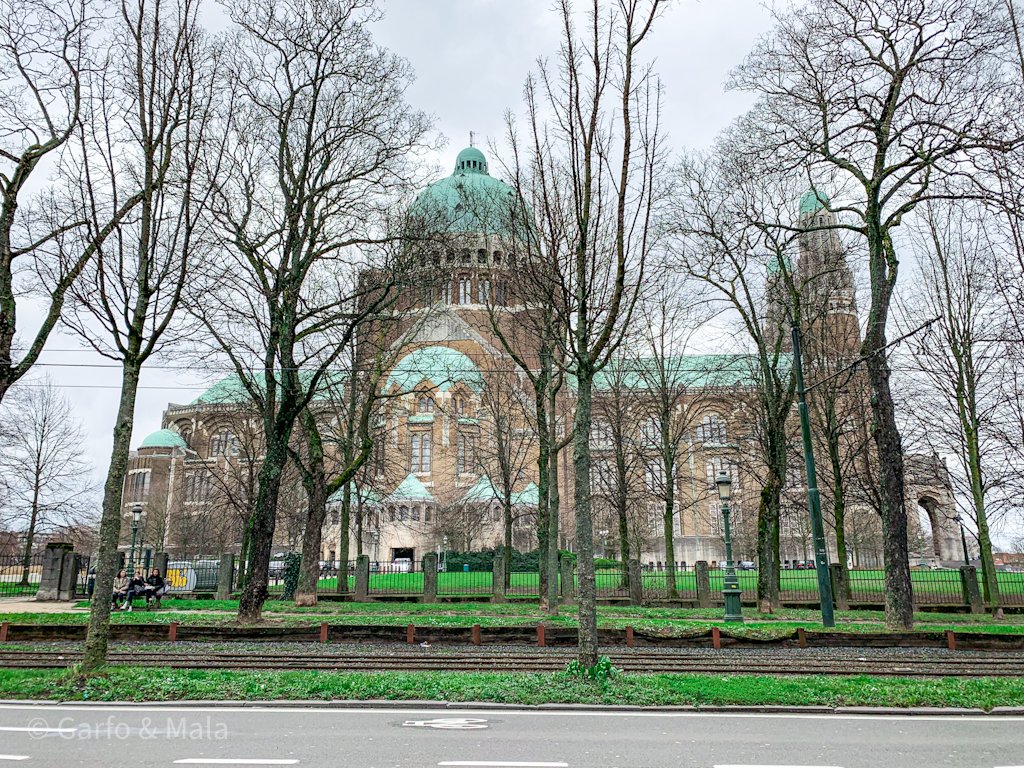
{"x":708,"y":709}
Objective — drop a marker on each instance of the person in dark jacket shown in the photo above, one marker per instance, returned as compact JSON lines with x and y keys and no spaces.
{"x":156,"y":587}
{"x":137,"y":586}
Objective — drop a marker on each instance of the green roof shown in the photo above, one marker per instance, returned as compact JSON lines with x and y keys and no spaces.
{"x":772,"y":265}
{"x":441,"y":366}
{"x":483,"y":492}
{"x":231,"y":389}
{"x":681,"y":370}
{"x":369,"y":496}
{"x":411,"y":489}
{"x":529,"y":496}
{"x":813,"y":201}
{"x":470,"y":201}
{"x":164,"y":438}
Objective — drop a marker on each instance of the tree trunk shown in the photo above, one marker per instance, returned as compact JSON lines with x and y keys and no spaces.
{"x":584,"y":520}
{"x":670,"y":543}
{"x":261,"y":527}
{"x":554,"y":501}
{"x":768,"y":545}
{"x":98,"y":635}
{"x":344,"y":524}
{"x":315,"y":481}
{"x":30,"y":534}
{"x":543,"y":523}
{"x":838,"y":502}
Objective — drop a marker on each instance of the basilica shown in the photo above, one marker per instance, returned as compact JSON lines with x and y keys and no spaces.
{"x":454,"y":459}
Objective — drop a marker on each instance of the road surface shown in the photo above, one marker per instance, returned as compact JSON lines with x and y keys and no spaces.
{"x":57,"y":736}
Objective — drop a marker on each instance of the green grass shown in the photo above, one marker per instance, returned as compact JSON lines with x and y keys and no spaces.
{"x":157,"y":684}
{"x":661,"y":620}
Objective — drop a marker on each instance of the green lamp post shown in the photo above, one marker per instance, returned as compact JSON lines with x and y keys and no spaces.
{"x":730,"y":584}
{"x":136,"y":517}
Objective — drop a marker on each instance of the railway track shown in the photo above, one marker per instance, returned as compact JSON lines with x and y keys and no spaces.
{"x":802,"y":662}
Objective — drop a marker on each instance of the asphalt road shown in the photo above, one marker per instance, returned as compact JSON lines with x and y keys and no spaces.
{"x":141,"y":737}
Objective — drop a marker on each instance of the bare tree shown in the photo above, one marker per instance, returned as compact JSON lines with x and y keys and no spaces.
{"x":883,"y":98}
{"x":593,"y":149}
{"x":320,"y":143}
{"x":142,"y":137}
{"x":41,"y":461}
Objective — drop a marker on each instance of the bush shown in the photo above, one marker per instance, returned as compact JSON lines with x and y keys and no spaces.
{"x":604,"y":563}
{"x":483,"y":560}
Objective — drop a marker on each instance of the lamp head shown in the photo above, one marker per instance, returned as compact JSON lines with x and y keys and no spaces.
{"x":136,"y":514}
{"x":724,"y":483}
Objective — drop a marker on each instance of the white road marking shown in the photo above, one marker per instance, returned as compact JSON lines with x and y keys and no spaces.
{"x":13,"y":757}
{"x":448,"y":723}
{"x":503,"y":764}
{"x":231,"y":761}
{"x":36,"y":729}
{"x":760,"y":765}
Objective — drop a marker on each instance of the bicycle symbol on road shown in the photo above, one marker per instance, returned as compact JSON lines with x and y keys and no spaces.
{"x":448,"y":723}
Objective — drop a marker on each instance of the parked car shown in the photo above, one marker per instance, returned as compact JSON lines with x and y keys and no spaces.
{"x":276,"y":569}
{"x":402,"y":564}
{"x":747,"y":565}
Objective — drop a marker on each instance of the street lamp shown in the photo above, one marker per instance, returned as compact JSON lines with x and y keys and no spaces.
{"x":963,"y":539}
{"x":730,"y":584}
{"x":136,"y":516}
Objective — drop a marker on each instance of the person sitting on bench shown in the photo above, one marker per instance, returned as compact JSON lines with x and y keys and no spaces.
{"x":121,"y":582}
{"x":137,"y":586}
{"x":156,"y":587}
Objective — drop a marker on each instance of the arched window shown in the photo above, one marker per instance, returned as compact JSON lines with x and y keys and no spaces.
{"x":481,"y":256}
{"x":465,"y":290}
{"x":224,"y":443}
{"x":483,"y":290}
{"x":425,"y":404}
{"x":419,"y":461}
{"x":464,"y":258}
{"x":403,"y":513}
{"x":496,"y":258}
{"x":712,"y":429}
{"x":465,"y":455}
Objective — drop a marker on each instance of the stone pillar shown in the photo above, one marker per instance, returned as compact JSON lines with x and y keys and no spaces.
{"x":567,"y":579}
{"x":972,"y":592}
{"x":53,"y":567}
{"x":225,"y":576}
{"x":160,"y":561}
{"x":430,"y":577}
{"x":362,"y":578}
{"x":498,"y":577}
{"x":68,"y":575}
{"x":703,"y":584}
{"x":636,"y":584}
{"x":840,"y":587}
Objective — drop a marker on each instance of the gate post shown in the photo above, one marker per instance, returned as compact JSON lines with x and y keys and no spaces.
{"x":498,"y":578}
{"x":362,"y":578}
{"x":225,"y":576}
{"x":703,"y":584}
{"x":430,"y":577}
{"x":53,"y":566}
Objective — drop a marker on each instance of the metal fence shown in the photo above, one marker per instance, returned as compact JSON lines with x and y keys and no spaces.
{"x":867,"y":586}
{"x":659,"y":585}
{"x":612,"y":582}
{"x":799,"y":585}
{"x":1011,"y":588}
{"x":747,"y":580}
{"x":18,"y":577}
{"x":937,"y":587}
{"x":465,"y":582}
{"x":523,"y":584}
{"x":397,"y":578}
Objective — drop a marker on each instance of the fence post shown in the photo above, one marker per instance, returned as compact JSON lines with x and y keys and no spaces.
{"x":498,"y":577}
{"x":430,"y":577}
{"x":971,"y":590}
{"x":567,"y":579}
{"x":703,"y":584}
{"x":636,"y":584}
{"x":362,"y":578}
{"x":225,"y":575}
{"x":840,"y":586}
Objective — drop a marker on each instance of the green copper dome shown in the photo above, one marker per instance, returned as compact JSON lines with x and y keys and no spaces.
{"x":470,"y":201}
{"x":164,"y":438}
{"x":441,"y":366}
{"x":813,"y":201}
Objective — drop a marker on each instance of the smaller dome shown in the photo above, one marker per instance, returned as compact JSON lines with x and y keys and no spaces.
{"x":164,"y":438}
{"x":471,"y":160}
{"x":812,"y":201}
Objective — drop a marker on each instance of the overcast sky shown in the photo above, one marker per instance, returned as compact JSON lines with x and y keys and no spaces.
{"x":471,"y":58}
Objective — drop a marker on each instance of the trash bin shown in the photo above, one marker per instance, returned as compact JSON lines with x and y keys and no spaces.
{"x":465,"y":567}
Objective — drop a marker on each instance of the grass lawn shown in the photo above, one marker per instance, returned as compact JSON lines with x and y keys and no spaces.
{"x":670,"y":621}
{"x":156,"y":684}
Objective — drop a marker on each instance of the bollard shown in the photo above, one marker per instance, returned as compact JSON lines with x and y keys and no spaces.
{"x":951,"y":639}
{"x":323,"y":632}
{"x":716,"y":639}
{"x":410,"y":634}
{"x":3,"y":631}
{"x":629,"y":637}
{"x":476,"y":634}
{"x":540,"y":636}
{"x":172,"y":632}
{"x":801,"y":637}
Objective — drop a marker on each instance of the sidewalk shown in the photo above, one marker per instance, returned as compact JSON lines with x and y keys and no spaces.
{"x":29,"y":605}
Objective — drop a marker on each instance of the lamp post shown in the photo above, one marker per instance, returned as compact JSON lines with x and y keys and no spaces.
{"x":136,"y":516}
{"x":730,"y":584}
{"x":963,"y":539}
